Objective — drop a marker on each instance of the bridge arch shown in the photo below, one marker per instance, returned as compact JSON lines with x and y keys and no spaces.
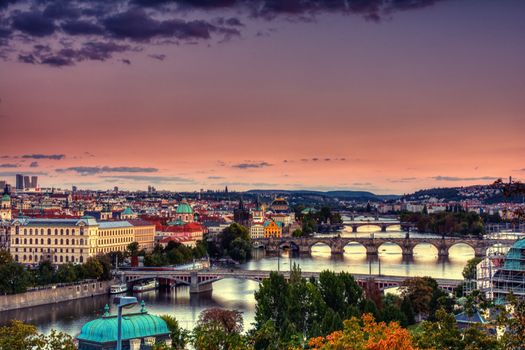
{"x":457,"y":249}
{"x":319,"y":243}
{"x":424,"y":245}
{"x":388,"y":244}
{"x":291,"y":245}
{"x":354,"y":248}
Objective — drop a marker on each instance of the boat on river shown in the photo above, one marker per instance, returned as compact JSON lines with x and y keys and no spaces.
{"x":145,"y":286}
{"x":118,"y":288}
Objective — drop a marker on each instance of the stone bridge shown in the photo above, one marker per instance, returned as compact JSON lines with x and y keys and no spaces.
{"x":201,"y":281}
{"x":373,"y":243}
{"x":382,"y":223}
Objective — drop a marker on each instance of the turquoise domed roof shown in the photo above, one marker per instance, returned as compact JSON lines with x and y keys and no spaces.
{"x":6,"y":198}
{"x":184,"y":208}
{"x":137,"y":325}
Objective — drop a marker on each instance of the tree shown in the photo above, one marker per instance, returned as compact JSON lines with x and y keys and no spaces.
{"x":44,"y":273}
{"x":219,"y":329}
{"x":420,"y":292}
{"x":93,"y":268}
{"x":445,"y":334}
{"x":179,"y":337}
{"x":469,"y":271}
{"x":14,"y":278}
{"x":365,"y":334}
{"x":133,"y":248}
{"x":5,"y":257}
{"x":512,"y":318}
{"x":20,"y":336}
{"x":66,"y":273}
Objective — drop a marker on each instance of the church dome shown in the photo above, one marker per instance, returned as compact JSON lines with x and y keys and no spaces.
{"x":184,"y":208}
{"x":6,"y":198}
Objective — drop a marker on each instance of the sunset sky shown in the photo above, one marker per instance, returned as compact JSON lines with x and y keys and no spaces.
{"x":388,"y":96}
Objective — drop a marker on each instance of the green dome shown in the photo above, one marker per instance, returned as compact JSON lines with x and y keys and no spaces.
{"x":184,"y":208}
{"x":6,"y":198}
{"x":138,"y":325}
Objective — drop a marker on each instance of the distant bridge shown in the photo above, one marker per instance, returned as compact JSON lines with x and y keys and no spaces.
{"x":373,"y":243}
{"x":201,"y":281}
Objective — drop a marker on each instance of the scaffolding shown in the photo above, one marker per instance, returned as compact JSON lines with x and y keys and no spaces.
{"x":511,"y":277}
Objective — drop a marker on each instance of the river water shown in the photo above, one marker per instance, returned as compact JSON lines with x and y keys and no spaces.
{"x":239,"y":294}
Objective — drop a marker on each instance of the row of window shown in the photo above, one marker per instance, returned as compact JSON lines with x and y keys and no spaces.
{"x":49,"y":231}
{"x":30,"y":258}
{"x":115,"y":232}
{"x":49,"y":241}
{"x":48,"y":250}
{"x":116,"y":240}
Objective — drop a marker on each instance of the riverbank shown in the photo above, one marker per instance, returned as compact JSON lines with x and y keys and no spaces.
{"x":53,"y":294}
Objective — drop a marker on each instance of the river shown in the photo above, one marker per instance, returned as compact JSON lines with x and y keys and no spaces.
{"x":239,"y":294}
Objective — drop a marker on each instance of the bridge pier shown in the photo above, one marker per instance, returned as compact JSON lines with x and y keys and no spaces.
{"x":480,"y":252}
{"x":443,"y":251}
{"x":196,"y":287}
{"x":371,"y":250}
{"x":383,"y":228}
{"x":407,"y":250}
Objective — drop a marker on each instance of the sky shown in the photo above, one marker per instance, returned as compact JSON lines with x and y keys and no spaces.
{"x":388,"y":96}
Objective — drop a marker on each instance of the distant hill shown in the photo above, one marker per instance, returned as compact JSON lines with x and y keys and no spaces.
{"x":343,"y":195}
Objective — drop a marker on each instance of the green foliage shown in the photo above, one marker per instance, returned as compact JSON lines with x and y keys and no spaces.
{"x":219,"y":329}
{"x":133,"y":248}
{"x":469,"y":271}
{"x":93,"y":268}
{"x":179,"y":336}
{"x":447,"y":223}
{"x":234,"y":242}
{"x":299,"y":307}
{"x":66,"y":273}
{"x":445,"y":334}
{"x":20,"y":336}
{"x":175,"y":254}
{"x":14,"y":278}
{"x":425,"y":296}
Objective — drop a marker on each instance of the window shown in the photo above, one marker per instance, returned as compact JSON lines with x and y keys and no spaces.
{"x":42,"y":231}
{"x":30,"y":231}
{"x":16,"y":258}
{"x":67,"y":232}
{"x":67,"y":241}
{"x":16,"y":240}
{"x":56,"y":231}
{"x":48,"y":231}
{"x":56,"y":241}
{"x":61,"y":258}
{"x":81,"y":259}
{"x":61,"y":242}
{"x":25,"y":240}
{"x":17,"y":229}
{"x":61,"y":231}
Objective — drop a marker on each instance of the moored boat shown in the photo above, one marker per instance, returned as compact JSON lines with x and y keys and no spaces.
{"x":118,"y":288}
{"x":145,"y":286}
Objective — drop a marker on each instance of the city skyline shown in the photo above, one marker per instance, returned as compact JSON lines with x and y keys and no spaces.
{"x":388,"y":98}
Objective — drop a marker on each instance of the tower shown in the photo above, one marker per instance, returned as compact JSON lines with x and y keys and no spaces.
{"x":5,"y":208}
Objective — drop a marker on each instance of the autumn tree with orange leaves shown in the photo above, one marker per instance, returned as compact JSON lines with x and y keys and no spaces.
{"x":365,"y":334}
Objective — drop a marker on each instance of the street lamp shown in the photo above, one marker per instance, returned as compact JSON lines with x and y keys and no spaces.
{"x":122,"y":302}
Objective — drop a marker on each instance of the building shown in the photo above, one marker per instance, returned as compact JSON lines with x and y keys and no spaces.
{"x":257,"y":230}
{"x":511,"y":277}
{"x":272,"y":229}
{"x":127,"y":214}
{"x":241,"y":215}
{"x":74,"y":240}
{"x":5,"y":208}
{"x":19,"y":181}
{"x":140,"y":331}
{"x":184,"y":212}
{"x":280,"y":205}
{"x":34,"y":182}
